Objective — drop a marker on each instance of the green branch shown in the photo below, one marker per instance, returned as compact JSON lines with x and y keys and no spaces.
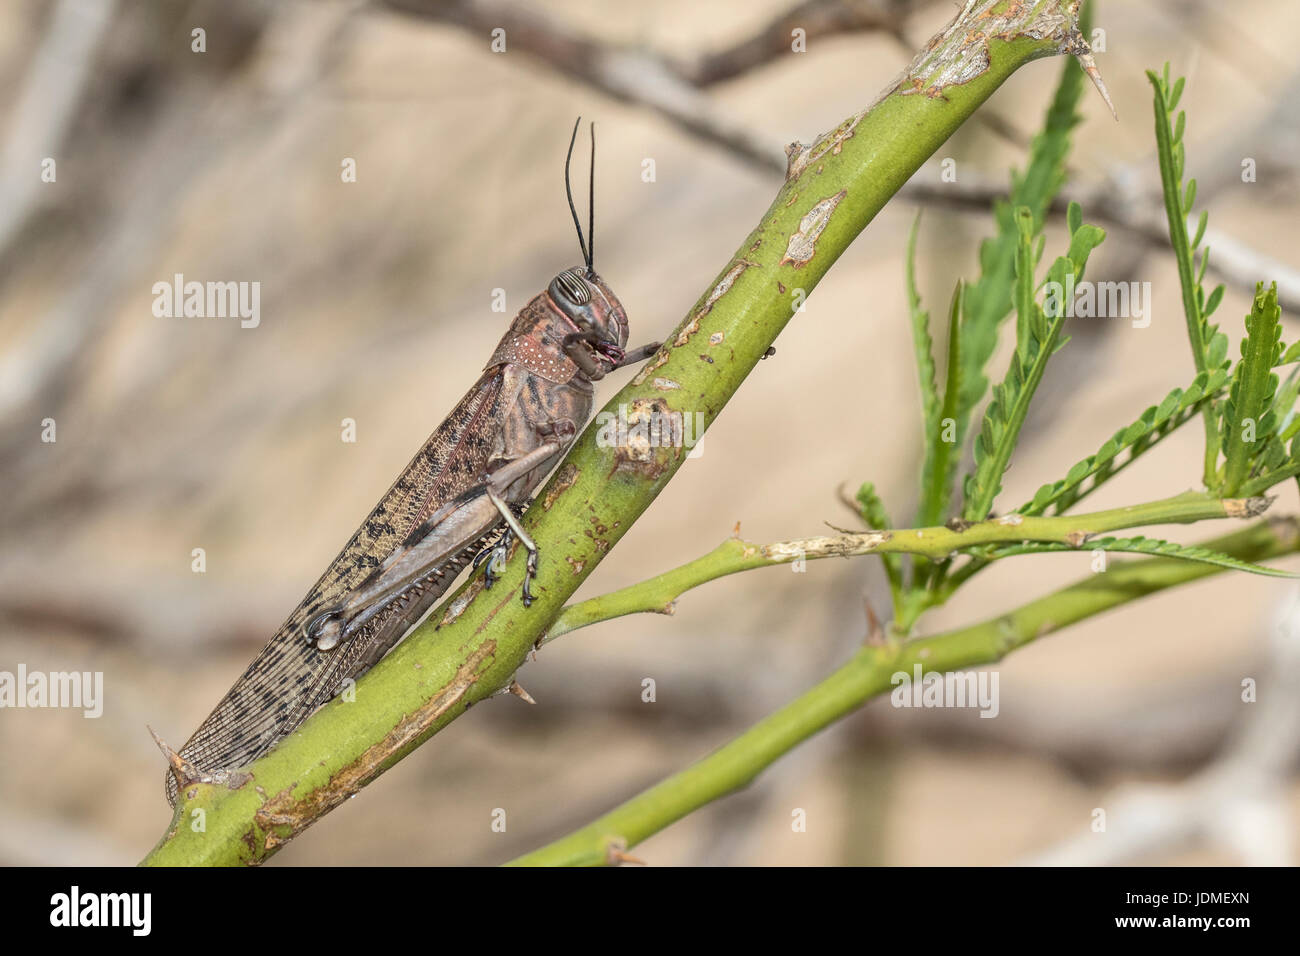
{"x":871,"y":672}
{"x":659,"y":594}
{"x":471,"y":646}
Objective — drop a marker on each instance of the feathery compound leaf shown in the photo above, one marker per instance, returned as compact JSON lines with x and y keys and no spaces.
{"x":1186,"y":552}
{"x":922,"y":344}
{"x":1037,"y":339}
{"x":1248,"y":415}
{"x":1022,"y":292}
{"x":1209,"y":345}
{"x":1154,"y":547}
{"x":941,"y":453}
{"x":1143,"y":434}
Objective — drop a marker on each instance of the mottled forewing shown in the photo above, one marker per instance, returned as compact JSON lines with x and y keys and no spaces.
{"x":290,"y":679}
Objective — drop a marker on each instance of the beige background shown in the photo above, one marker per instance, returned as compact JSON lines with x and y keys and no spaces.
{"x":177,"y":434}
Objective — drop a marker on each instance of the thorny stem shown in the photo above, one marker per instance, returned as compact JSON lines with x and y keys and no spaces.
{"x":471,"y":647}
{"x":871,"y":672}
{"x":659,"y":594}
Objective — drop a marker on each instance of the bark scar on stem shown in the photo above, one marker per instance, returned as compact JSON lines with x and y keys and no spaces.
{"x":826,"y":546}
{"x":803,"y":243}
{"x":650,"y":366}
{"x":798,"y":156}
{"x":564,"y":480}
{"x":690,"y":328}
{"x":1246,"y":507}
{"x":960,"y":51}
{"x":647,"y":450}
{"x":457,"y":607}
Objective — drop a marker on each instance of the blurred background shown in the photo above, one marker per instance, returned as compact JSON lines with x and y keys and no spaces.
{"x":176,"y":434}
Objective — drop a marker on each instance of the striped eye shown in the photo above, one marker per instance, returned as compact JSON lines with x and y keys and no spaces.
{"x":572,"y":287}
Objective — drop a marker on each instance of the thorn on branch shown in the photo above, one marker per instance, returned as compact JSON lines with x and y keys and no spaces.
{"x":1076,"y":46}
{"x":848,"y":501}
{"x":616,"y":854}
{"x":184,"y":772}
{"x":793,"y":152}
{"x":838,"y":530}
{"x":875,"y":632}
{"x":517,"y":689}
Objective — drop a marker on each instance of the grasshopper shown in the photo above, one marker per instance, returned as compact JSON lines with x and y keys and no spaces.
{"x":458,"y":502}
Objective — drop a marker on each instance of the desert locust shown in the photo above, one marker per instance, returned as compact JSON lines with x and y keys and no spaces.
{"x":458,"y":502}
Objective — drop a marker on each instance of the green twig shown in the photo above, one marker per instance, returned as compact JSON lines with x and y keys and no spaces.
{"x":659,"y":594}
{"x":872,"y":672}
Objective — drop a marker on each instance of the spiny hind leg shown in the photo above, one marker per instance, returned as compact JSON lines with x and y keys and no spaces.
{"x":493,"y":557}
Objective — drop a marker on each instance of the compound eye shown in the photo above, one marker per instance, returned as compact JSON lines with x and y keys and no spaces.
{"x":571,"y":287}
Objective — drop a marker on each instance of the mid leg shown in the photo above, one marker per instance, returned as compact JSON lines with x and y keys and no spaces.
{"x":514,"y":531}
{"x":556,"y":437}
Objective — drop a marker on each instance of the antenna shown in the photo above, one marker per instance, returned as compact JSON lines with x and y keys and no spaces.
{"x":591,"y":202}
{"x":568,"y":189}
